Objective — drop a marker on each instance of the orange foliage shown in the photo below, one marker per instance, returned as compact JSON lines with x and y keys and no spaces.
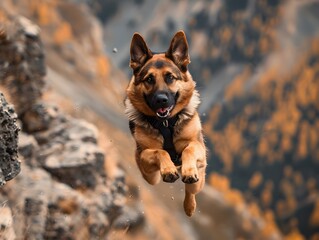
{"x":311,"y":184}
{"x":286,"y":187}
{"x":227,"y":159}
{"x":266,"y":197}
{"x":235,"y":197}
{"x":222,"y":184}
{"x":249,"y":51}
{"x":289,"y":130}
{"x":233,"y":138}
{"x":294,"y":235}
{"x":254,"y":210}
{"x":288,"y":171}
{"x":213,"y":117}
{"x":255,"y":180}
{"x":291,"y":204}
{"x":286,"y":143}
{"x":298,"y":179}
{"x":2,"y":16}
{"x":302,"y":148}
{"x":63,"y":33}
{"x":246,"y":156}
{"x":270,"y":224}
{"x":314,"y":219}
{"x":263,"y":147}
{"x":313,"y":138}
{"x":286,"y":118}
{"x":219,"y":182}
{"x":43,"y":11}
{"x":239,"y":39}
{"x":226,"y":34}
{"x":237,"y":87}
{"x":256,"y":22}
{"x":280,"y":208}
{"x":264,"y":45}
{"x":102,"y":66}
{"x":309,"y":92}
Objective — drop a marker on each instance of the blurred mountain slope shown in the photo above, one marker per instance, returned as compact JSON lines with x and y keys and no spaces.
{"x":64,"y":189}
{"x":255,"y":63}
{"x":264,"y":130}
{"x":237,"y":52}
{"x":74,"y":46}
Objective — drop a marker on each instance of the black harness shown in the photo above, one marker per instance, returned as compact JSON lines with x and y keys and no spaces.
{"x":166,"y":129}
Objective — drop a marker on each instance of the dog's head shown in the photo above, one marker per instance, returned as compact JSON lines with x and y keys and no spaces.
{"x":161,"y":85}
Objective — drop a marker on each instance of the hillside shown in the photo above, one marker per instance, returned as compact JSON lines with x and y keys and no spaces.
{"x":264,"y":132}
{"x":255,"y":63}
{"x":265,"y":140}
{"x":64,"y":186}
{"x":256,"y":66}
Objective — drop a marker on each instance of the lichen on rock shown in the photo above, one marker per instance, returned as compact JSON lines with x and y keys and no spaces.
{"x":9,"y":163}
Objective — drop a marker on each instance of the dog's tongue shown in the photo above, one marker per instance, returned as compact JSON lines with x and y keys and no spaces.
{"x":162,"y":110}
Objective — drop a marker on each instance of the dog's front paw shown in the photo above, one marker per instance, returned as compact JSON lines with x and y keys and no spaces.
{"x":169,"y":175}
{"x":190,"y":175}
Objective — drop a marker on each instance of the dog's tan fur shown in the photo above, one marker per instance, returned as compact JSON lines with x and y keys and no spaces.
{"x":152,"y":160}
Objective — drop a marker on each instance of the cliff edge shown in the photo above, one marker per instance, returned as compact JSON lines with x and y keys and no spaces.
{"x":63,"y":190}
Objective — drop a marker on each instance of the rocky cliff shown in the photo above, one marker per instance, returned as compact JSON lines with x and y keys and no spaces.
{"x":9,"y":163}
{"x":63,"y":190}
{"x":255,"y":63}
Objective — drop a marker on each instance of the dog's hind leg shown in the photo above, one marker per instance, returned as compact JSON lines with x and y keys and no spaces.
{"x":189,"y":203}
{"x":154,"y":163}
{"x":191,"y":190}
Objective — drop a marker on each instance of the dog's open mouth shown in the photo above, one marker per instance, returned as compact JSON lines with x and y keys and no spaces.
{"x":164,"y":112}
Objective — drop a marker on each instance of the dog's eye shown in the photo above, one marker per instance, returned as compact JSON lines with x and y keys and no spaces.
{"x":169,"y":78}
{"x":150,"y":80}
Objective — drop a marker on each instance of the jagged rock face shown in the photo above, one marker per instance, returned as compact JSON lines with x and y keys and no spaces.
{"x":63,"y":191}
{"x":9,"y":163}
{"x":69,"y":151}
{"x":22,"y":63}
{"x":54,"y":210}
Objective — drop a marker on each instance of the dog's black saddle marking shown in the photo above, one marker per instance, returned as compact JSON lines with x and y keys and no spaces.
{"x":166,"y":128}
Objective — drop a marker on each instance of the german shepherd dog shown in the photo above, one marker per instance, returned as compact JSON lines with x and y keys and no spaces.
{"x":161,"y":105}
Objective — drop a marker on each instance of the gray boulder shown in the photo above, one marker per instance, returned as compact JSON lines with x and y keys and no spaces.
{"x":9,"y":163}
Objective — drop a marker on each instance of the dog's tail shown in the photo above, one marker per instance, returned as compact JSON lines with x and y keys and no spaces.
{"x":189,"y":203}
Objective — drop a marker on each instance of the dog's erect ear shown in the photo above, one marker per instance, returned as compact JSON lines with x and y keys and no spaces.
{"x":178,"y":51}
{"x":140,"y":53}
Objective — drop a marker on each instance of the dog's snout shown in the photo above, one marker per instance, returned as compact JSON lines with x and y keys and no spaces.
{"x":161,"y":98}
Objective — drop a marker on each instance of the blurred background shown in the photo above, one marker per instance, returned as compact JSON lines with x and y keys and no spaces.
{"x":256,"y":64}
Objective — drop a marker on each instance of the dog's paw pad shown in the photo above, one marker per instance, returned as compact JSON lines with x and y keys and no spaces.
{"x":190,"y":179}
{"x":189,"y":175}
{"x":170,"y":177}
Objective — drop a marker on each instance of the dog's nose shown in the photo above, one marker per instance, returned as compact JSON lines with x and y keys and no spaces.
{"x":161,"y":99}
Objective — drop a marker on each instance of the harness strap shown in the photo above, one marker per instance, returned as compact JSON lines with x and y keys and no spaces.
{"x":166,"y":129}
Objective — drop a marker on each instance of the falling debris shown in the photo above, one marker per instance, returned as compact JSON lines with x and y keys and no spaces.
{"x":114,"y":50}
